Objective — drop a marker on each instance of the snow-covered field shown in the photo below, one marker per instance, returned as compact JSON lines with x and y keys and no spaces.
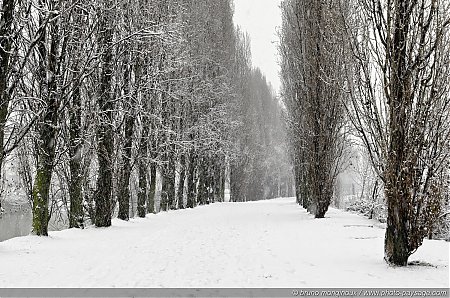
{"x":257,"y":244}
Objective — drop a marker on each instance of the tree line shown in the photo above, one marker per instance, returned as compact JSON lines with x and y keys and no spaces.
{"x":376,"y":74}
{"x":102,"y":99}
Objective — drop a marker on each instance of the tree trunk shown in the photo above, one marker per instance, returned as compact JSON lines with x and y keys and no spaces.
{"x":76,"y":212}
{"x":105,"y":127}
{"x":146,"y":195}
{"x":152,"y":192}
{"x":143,"y":168}
{"x":211,"y":181}
{"x":47,"y":128}
{"x":124,"y":183}
{"x":397,"y":249}
{"x":142,"y":192}
{"x":163,"y":203}
{"x":6,"y":40}
{"x":129,"y":106}
{"x":222,"y":183}
{"x":297,"y":184}
{"x":219,"y":190}
{"x":203,"y":183}
{"x":191,"y":194}
{"x":236,"y":184}
{"x":181,"y":181}
{"x":171,"y":180}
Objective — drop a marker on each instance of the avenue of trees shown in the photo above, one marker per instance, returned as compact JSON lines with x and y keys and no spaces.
{"x":375,"y":73}
{"x":102,"y":102}
{"x":313,"y":93}
{"x":122,"y":108}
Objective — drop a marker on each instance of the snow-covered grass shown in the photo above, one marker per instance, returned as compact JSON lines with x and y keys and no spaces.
{"x":256,"y":244}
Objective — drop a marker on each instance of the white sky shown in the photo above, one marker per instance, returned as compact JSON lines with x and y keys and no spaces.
{"x":261,"y":19}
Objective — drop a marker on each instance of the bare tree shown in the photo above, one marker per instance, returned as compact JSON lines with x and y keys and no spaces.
{"x":312,"y":63}
{"x":399,"y":89}
{"x":129,"y":103}
{"x":105,"y":140}
{"x":17,"y":45}
{"x":48,"y":51}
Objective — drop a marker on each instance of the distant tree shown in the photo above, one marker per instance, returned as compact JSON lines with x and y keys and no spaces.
{"x":256,"y":163}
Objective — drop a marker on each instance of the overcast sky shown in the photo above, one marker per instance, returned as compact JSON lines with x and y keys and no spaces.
{"x":261,"y":19}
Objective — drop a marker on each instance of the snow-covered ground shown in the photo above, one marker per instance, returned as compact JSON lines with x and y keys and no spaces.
{"x":257,"y":244}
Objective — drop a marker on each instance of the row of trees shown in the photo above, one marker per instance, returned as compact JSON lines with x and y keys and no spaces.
{"x":261,"y":170}
{"x":386,"y":65}
{"x":312,"y":77}
{"x":102,"y":99}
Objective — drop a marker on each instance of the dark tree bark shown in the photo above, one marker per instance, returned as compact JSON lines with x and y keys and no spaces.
{"x":76,"y":212}
{"x":129,"y":104}
{"x":152,"y":189}
{"x":191,"y":180}
{"x":222,"y":183}
{"x":47,"y":126}
{"x":181,"y":181}
{"x":154,"y":134}
{"x":142,"y":169}
{"x":164,"y":201}
{"x":124,"y":190}
{"x":168,"y":182}
{"x":397,"y":250}
{"x":124,"y":183}
{"x":6,"y":39}
{"x":105,"y":140}
{"x":171,"y":200}
{"x":203,"y":182}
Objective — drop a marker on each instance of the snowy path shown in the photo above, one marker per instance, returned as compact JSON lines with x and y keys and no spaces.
{"x":259,"y":244}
